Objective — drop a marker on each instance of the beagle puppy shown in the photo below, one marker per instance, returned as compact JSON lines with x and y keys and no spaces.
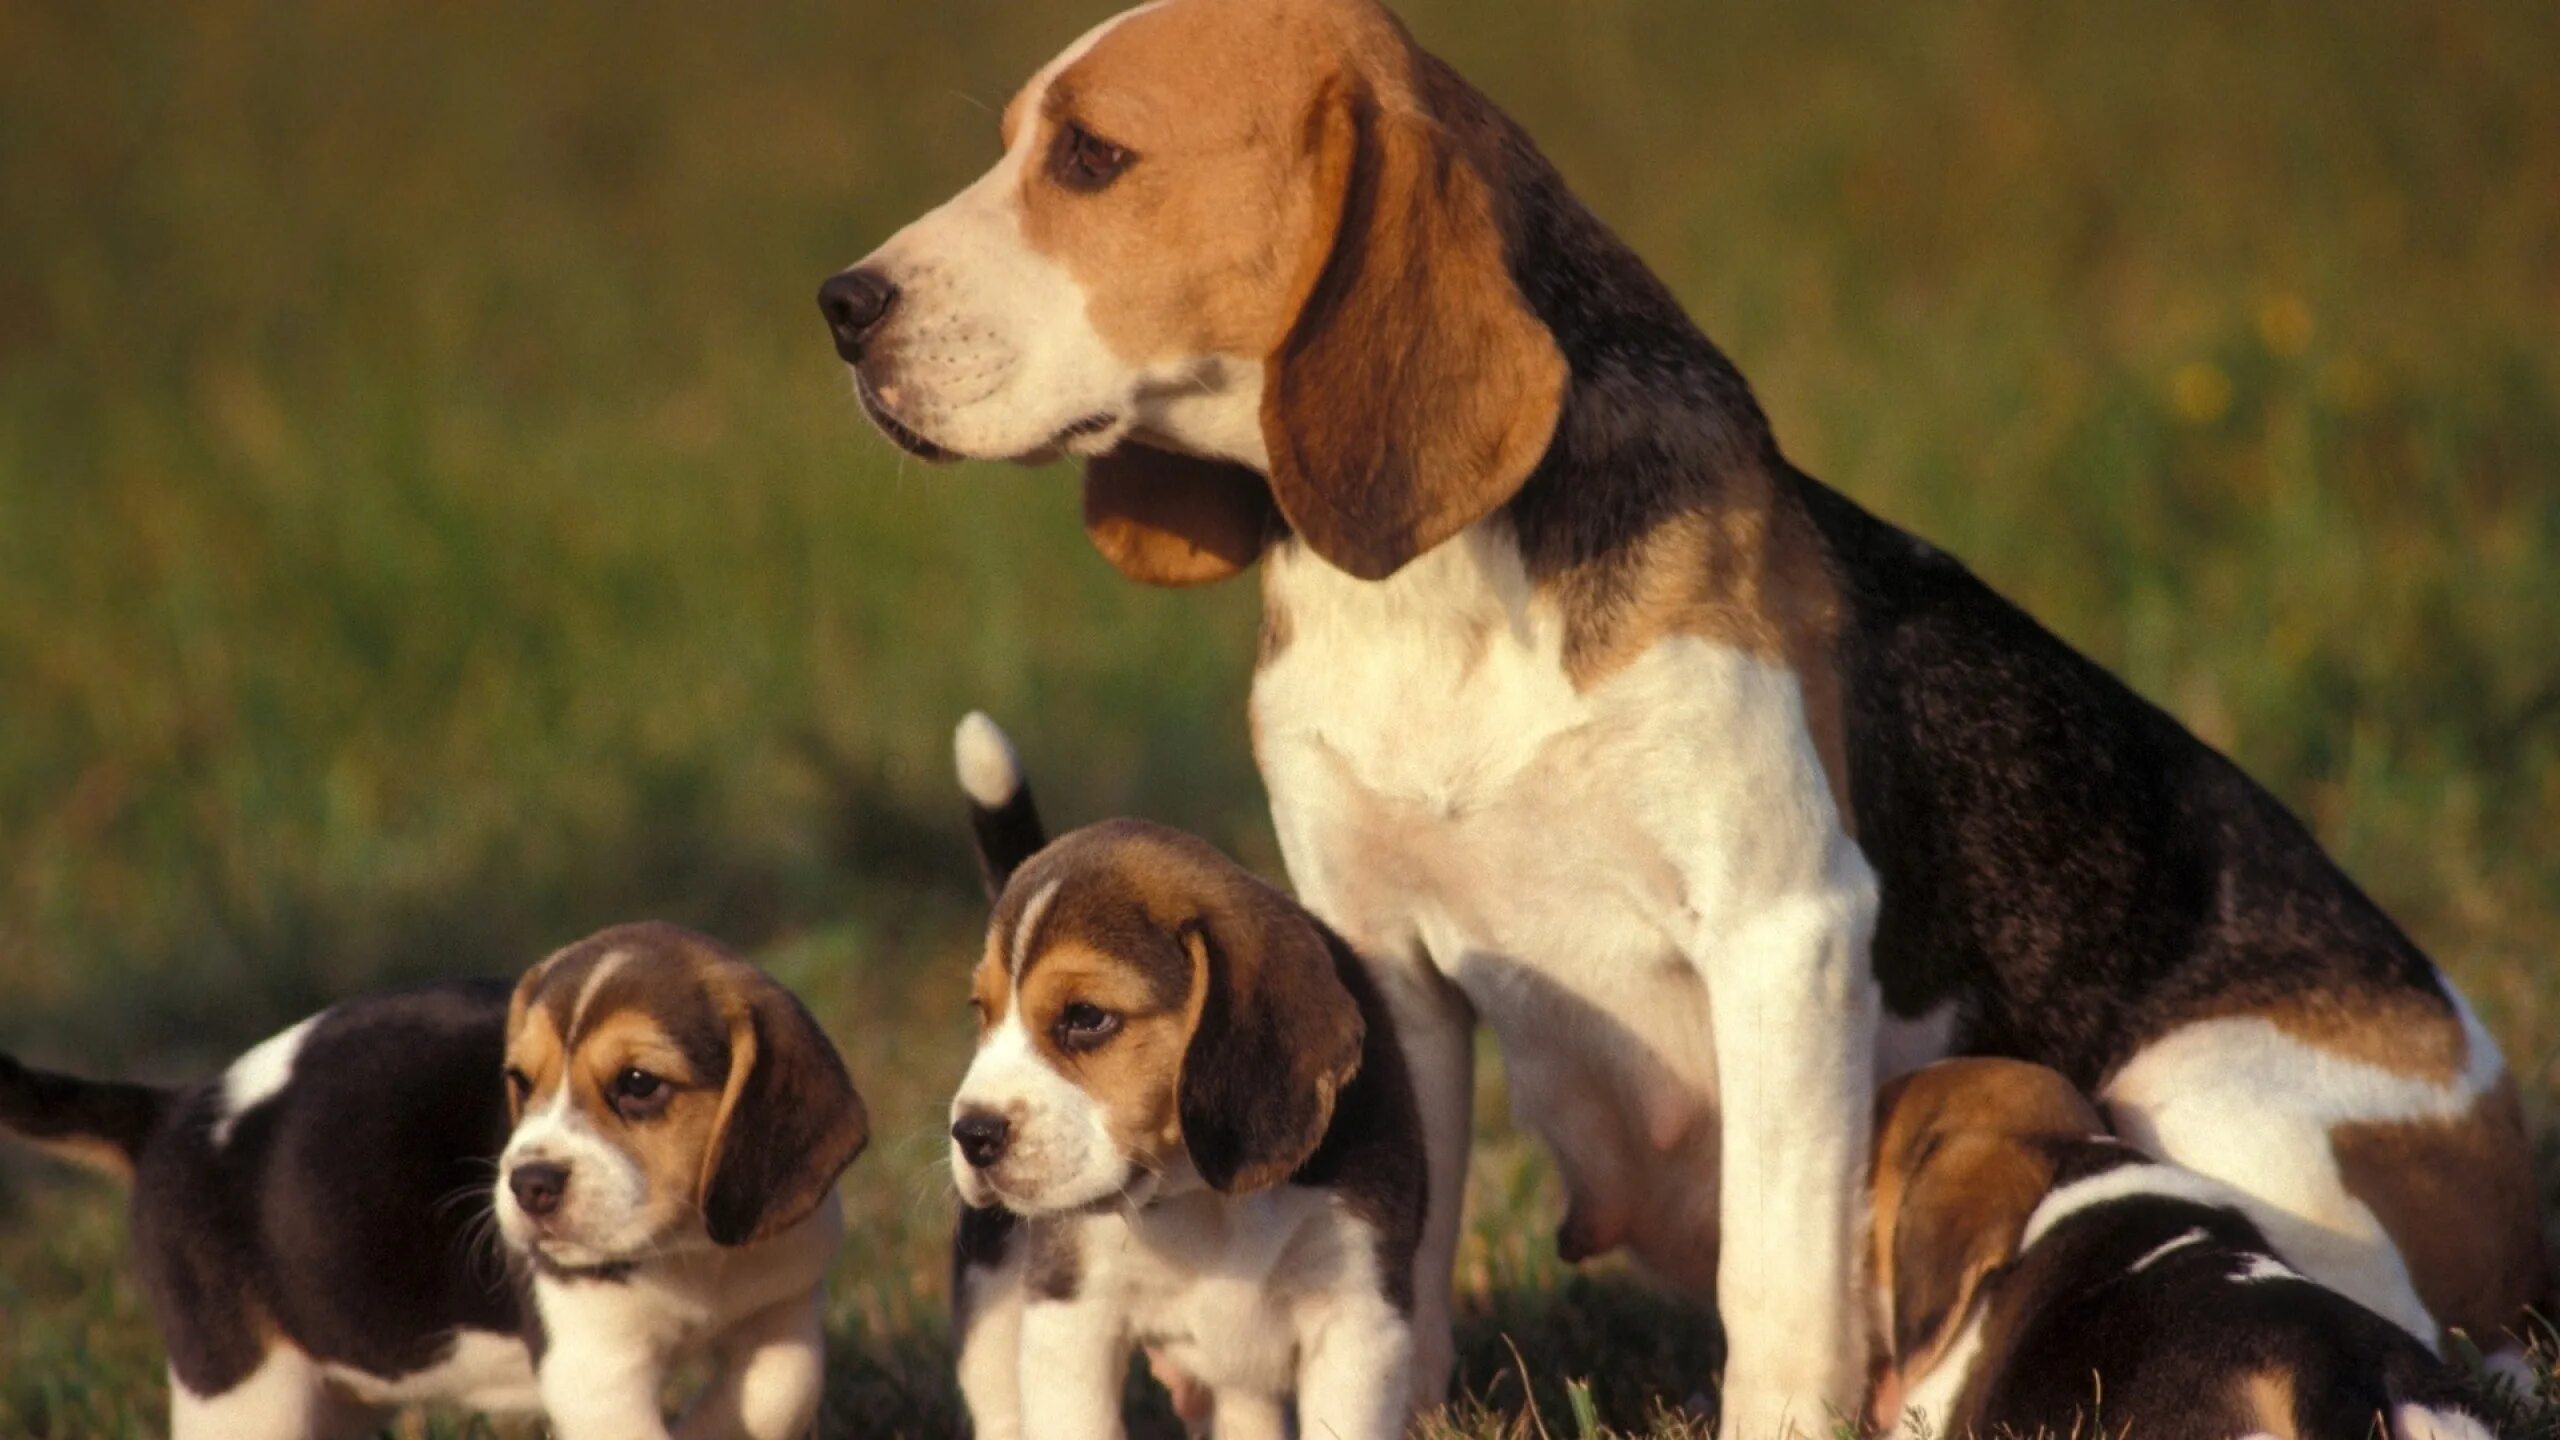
{"x":1586,"y":715}
{"x":529,"y":1198}
{"x":2036,"y":1277}
{"x":1188,"y":1127}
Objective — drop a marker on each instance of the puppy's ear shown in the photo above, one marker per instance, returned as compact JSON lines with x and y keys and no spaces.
{"x":1277,"y":1038}
{"x":1415,"y":390}
{"x":1961,"y":1213}
{"x":789,"y":1120}
{"x":1002,"y":819}
{"x":1168,"y":519}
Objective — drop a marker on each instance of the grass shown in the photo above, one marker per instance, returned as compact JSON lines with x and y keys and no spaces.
{"x":432,"y":526}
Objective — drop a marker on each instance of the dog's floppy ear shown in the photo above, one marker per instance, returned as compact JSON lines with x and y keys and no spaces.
{"x":789,"y":1119}
{"x":1277,"y":1038}
{"x":1962,"y":1211}
{"x":1415,"y":390}
{"x":1964,"y":1154}
{"x":1169,"y":519}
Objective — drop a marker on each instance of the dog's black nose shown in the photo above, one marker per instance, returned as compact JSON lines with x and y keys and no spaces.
{"x":981,"y":1136}
{"x":855,"y":303}
{"x":539,"y":1184}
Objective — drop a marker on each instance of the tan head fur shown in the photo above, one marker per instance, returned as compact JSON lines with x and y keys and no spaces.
{"x":1231,"y":239}
{"x":684,"y":1093}
{"x":1962,"y":1157}
{"x":1145,"y":1005}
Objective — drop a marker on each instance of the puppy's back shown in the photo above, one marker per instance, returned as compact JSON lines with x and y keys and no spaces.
{"x":334,"y":1185}
{"x":2191,"y":1325}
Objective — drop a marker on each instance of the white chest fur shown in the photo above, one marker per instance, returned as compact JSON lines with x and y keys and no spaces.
{"x":1220,"y":1286}
{"x":1572,"y":858}
{"x":1261,"y":1301}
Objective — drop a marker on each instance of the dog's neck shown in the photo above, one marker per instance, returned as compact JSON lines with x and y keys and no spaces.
{"x":1657,"y":422}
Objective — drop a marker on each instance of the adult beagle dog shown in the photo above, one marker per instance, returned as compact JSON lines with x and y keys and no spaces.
{"x":1585,"y":714}
{"x":649,"y":1127}
{"x":2036,"y":1277}
{"x":1188,"y":1127}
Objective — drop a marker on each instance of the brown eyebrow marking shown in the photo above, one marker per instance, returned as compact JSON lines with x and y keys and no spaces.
{"x":1059,"y":100}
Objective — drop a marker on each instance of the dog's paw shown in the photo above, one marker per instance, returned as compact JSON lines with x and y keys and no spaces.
{"x":1435,"y":1360}
{"x":1762,"y":1411}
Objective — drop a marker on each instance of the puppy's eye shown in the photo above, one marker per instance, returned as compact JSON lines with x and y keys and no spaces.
{"x":1082,"y":160}
{"x":1083,"y":1027}
{"x":637,"y":1094}
{"x":519,"y":1084}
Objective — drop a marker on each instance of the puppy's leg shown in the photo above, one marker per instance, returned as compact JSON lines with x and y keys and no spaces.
{"x":1354,"y":1373}
{"x":285,"y":1398}
{"x":603,"y":1386}
{"x":1437,"y":1028}
{"x":773,"y":1368}
{"x":987,"y":1296}
{"x":1247,"y":1415}
{"x":1074,"y":1355}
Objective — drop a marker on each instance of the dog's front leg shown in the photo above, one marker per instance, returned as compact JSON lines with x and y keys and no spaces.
{"x":1075,"y":1354}
{"x":773,"y":1368}
{"x":1796,"y":1009}
{"x":1353,"y":1374}
{"x":1437,"y":1028}
{"x":987,"y":1301}
{"x":603,"y":1387}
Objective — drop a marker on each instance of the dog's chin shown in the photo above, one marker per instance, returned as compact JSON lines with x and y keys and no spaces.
{"x":900,"y":434}
{"x":1083,"y":437}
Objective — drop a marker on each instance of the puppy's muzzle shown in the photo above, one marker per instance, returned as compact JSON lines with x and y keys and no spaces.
{"x":855,"y":303}
{"x":981,"y":1136}
{"x":539,"y":1186}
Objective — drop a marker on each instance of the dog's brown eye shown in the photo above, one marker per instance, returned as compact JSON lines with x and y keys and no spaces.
{"x":1082,"y":1026}
{"x":1085,"y":161}
{"x":519,"y":1084}
{"x":637,"y":1094}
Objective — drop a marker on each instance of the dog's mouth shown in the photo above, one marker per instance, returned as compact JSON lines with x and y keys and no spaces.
{"x":1138,"y":1188}
{"x":1093,"y":424}
{"x":906,"y":437}
{"x":899,"y":432}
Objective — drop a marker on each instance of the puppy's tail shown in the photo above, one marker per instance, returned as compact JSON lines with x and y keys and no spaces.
{"x":1001,"y":815}
{"x":102,"y":1124}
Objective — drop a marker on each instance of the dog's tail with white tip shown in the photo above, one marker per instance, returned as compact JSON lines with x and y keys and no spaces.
{"x":1001,"y":815}
{"x":102,"y":1124}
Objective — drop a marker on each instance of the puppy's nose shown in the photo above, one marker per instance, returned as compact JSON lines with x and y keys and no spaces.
{"x":980,"y":1135}
{"x":855,"y":303}
{"x":539,"y":1184}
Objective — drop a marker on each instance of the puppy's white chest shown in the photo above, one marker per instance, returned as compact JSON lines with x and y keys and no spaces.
{"x":1214,"y":1284}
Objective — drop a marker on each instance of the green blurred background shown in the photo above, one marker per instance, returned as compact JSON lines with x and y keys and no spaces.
{"x":434,"y":525}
